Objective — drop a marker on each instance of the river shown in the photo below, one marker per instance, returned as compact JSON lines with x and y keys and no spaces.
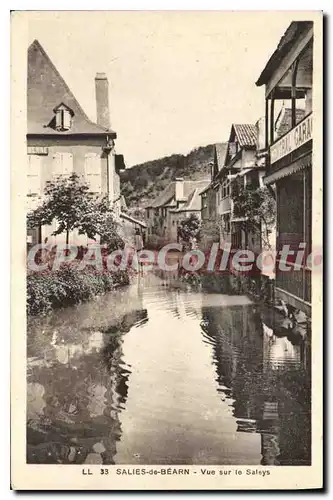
{"x":156,"y":373}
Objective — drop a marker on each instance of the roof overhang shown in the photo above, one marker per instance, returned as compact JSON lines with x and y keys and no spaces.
{"x":131,"y":219}
{"x":64,"y":135}
{"x":240,"y":174}
{"x":206,"y":189}
{"x":295,"y":30}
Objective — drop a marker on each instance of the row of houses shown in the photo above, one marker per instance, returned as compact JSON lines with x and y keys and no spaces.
{"x":239,"y":158}
{"x":61,"y":140}
{"x":273,"y":154}
{"x":177,"y":202}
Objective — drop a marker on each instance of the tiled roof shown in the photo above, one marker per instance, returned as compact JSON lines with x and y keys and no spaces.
{"x":46,"y":90}
{"x":170,"y":192}
{"x":283,"y":121}
{"x":221,"y":153}
{"x":246,"y":134}
{"x":164,"y":197}
{"x":189,"y":205}
{"x":207,"y":188}
{"x":193,"y":202}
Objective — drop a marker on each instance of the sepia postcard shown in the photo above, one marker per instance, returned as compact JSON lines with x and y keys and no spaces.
{"x":166,"y":191}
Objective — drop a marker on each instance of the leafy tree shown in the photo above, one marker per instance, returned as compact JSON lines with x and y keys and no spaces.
{"x":210,"y":230}
{"x":99,"y":220}
{"x":66,"y":200}
{"x":189,"y":228}
{"x":69,"y":203}
{"x":257,"y":206}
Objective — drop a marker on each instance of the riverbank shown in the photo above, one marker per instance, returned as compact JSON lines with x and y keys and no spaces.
{"x":69,"y":285}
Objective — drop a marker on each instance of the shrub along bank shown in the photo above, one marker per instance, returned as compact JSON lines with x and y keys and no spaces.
{"x":50,"y":289}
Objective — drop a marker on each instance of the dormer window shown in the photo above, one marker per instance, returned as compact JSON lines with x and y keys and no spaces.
{"x":63,"y":117}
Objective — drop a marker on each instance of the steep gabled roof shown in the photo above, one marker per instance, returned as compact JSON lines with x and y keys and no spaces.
{"x":246,"y":134}
{"x":207,"y":188}
{"x":221,"y":149}
{"x":283,"y":121}
{"x":166,"y":198}
{"x":167,"y":195}
{"x":194,"y":200}
{"x":63,"y":106}
{"x":46,"y":90}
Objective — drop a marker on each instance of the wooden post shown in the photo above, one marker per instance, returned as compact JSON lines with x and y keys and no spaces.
{"x":307,"y":221}
{"x":266,"y":123}
{"x":293,"y":93}
{"x":272,"y":118}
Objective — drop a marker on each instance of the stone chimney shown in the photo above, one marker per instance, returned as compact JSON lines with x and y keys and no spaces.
{"x":179,"y":188}
{"x":102,"y":100}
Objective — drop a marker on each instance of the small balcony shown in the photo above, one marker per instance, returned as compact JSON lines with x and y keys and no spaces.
{"x":292,"y":141}
{"x":288,"y":115}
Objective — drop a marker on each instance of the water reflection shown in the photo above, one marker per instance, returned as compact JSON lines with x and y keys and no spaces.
{"x":265,"y":373}
{"x":159,"y":373}
{"x":76,"y":391}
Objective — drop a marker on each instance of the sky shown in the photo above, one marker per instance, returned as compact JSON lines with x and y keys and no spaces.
{"x":177,"y":80}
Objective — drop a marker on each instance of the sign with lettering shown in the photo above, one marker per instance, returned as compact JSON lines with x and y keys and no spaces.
{"x":298,"y":136}
{"x":38,"y":150}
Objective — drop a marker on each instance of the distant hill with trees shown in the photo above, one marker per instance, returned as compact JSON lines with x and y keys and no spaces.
{"x":144,"y":182}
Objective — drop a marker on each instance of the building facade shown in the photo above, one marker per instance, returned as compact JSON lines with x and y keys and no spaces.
{"x":211,"y":222}
{"x":61,"y":139}
{"x":287,"y":78}
{"x":236,"y":166}
{"x":179,"y":200}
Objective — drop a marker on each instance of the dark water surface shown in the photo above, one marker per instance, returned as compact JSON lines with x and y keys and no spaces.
{"x":158,"y":374}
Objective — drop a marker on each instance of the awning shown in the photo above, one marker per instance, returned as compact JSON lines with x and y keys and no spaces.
{"x":131,"y":219}
{"x":240,"y":174}
{"x":294,"y":167}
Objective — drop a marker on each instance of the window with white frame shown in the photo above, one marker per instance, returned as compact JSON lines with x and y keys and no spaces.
{"x":62,"y":164}
{"x":34,"y":174}
{"x":225,"y":189}
{"x":92,"y":170}
{"x":63,"y":117}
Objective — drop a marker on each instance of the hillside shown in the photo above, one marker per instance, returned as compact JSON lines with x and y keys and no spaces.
{"x":144,"y":182}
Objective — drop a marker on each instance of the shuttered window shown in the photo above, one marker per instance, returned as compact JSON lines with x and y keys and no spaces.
{"x":34,"y":174}
{"x":62,"y":164}
{"x":92,"y":168}
{"x":63,"y":119}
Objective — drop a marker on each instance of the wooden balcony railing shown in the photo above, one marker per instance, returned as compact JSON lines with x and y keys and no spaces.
{"x":291,"y":140}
